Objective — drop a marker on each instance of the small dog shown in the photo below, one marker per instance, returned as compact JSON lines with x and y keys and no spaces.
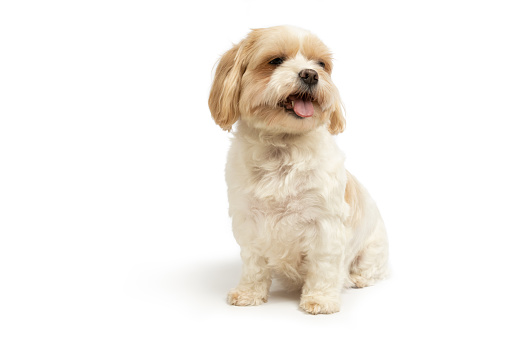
{"x":297,"y":213}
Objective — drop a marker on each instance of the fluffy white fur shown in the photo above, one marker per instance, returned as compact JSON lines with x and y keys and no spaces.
{"x":297,"y":213}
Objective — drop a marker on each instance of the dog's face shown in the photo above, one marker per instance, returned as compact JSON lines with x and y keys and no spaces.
{"x":277,"y":79}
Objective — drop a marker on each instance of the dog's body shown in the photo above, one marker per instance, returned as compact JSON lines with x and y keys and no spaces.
{"x":297,"y":212}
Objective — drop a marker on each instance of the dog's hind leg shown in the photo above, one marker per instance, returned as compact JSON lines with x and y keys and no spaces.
{"x":371,"y":264}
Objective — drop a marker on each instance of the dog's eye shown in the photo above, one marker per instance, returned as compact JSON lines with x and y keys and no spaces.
{"x":321,"y":63}
{"x":276,"y":61}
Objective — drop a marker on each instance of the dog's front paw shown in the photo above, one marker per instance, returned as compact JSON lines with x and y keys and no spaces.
{"x":244,"y":297}
{"x":319,"y":304}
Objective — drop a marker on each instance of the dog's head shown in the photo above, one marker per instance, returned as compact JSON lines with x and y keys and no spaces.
{"x":277,"y":79}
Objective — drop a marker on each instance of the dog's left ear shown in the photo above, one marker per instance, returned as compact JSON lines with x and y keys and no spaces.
{"x":337,"y":120}
{"x":225,"y":92}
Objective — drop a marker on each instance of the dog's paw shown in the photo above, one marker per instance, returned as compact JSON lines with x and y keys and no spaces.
{"x":241,"y":297}
{"x":319,"y":304}
{"x":359,"y":281}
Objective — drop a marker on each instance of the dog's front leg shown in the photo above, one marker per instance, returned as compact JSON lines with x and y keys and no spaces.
{"x":255,"y":281}
{"x":326,"y":274}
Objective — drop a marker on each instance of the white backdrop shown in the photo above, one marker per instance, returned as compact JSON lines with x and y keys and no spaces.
{"x":113,"y":209}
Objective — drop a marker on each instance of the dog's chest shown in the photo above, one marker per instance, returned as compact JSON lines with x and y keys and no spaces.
{"x":285,"y":186}
{"x":280,"y":196}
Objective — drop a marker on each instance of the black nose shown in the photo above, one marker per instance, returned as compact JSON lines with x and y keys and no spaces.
{"x":309,"y":76}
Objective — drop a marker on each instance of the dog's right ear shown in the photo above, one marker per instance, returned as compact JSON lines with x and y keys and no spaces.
{"x":225,"y":92}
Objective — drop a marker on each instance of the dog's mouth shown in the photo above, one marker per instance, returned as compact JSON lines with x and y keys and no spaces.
{"x":301,"y":105}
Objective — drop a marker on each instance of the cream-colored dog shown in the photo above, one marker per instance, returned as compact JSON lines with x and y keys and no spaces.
{"x":297,"y":213}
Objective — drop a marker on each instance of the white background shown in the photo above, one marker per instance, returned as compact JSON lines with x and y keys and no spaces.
{"x":113,"y":209}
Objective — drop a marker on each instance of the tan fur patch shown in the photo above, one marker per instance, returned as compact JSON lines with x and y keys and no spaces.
{"x":225,"y":91}
{"x":314,"y":49}
{"x":337,"y":119}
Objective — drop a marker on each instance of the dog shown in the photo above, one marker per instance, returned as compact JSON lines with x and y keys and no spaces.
{"x":297,"y":213}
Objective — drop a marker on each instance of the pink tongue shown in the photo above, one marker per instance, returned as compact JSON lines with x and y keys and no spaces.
{"x":303,"y":108}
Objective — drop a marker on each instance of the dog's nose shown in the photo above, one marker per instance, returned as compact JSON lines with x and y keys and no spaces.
{"x":309,"y":76}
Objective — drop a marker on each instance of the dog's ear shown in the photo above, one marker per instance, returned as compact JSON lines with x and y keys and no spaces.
{"x":225,"y":91}
{"x":337,"y":120}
